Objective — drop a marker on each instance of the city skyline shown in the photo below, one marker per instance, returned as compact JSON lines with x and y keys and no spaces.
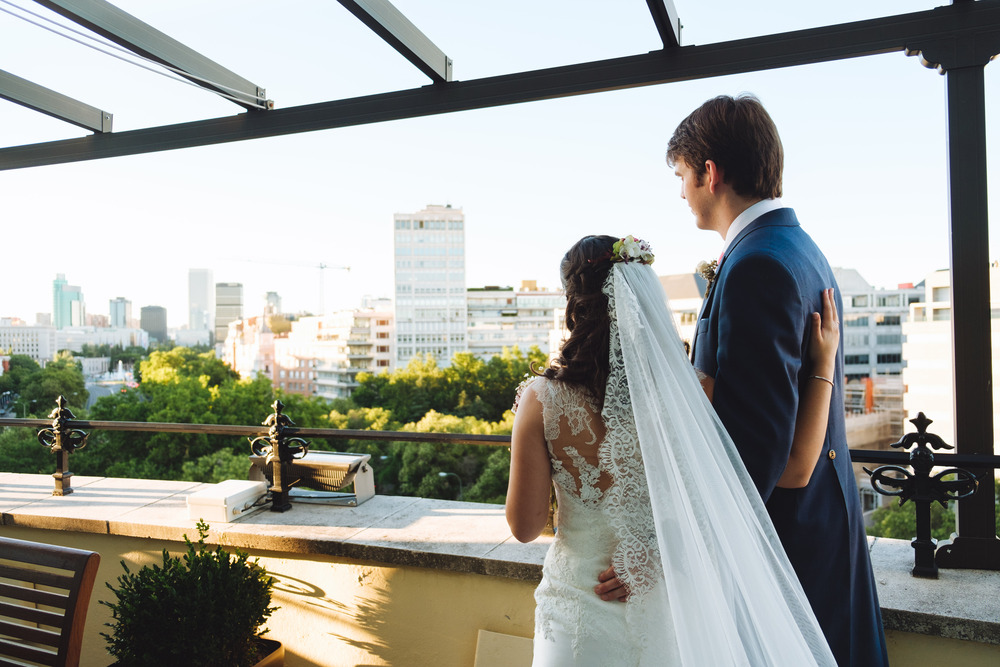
{"x":864,"y":142}
{"x":252,"y":308}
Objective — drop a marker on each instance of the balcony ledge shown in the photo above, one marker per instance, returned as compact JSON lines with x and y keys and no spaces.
{"x":451,"y":536}
{"x":446,"y":536}
{"x":959,"y":604}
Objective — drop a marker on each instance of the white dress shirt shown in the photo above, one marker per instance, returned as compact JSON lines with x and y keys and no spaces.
{"x":744,"y":219}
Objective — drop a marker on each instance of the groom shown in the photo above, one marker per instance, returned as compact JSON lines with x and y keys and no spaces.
{"x":751,"y":343}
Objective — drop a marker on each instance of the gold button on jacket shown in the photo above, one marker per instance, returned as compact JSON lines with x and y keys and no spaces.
{"x":833,"y":455}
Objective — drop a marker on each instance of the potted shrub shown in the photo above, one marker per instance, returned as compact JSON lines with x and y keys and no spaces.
{"x":206,"y":609}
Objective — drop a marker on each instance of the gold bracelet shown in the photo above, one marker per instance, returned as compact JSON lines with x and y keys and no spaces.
{"x":820,"y":377}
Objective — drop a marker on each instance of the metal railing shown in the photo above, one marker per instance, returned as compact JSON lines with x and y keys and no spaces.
{"x":280,"y":442}
{"x":63,"y":434}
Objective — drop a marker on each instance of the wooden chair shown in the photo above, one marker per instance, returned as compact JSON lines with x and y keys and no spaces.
{"x":44,"y":592}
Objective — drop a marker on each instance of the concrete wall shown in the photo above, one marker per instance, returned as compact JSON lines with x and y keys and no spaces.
{"x":339,"y":612}
{"x":333,"y":611}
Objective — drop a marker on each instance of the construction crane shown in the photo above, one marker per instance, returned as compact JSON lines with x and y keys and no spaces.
{"x":322,"y":266}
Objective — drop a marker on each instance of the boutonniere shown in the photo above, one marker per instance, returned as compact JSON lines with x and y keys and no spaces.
{"x":707,"y":271}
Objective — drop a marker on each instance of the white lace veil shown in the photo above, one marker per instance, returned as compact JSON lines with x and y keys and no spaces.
{"x":691,"y":527}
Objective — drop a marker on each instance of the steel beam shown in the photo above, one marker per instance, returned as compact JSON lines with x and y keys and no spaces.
{"x":667,"y":22}
{"x":31,"y":95}
{"x":126,"y":30}
{"x":389,"y":23}
{"x":862,"y":38}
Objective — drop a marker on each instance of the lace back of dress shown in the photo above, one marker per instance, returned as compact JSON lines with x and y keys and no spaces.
{"x":574,"y":433}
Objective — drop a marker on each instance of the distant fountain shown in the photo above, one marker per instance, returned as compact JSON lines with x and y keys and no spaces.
{"x":120,"y":373}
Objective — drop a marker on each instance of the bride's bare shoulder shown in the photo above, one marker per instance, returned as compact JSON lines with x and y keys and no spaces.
{"x":529,"y":389}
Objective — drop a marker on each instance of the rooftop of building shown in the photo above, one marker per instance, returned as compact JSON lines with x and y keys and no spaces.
{"x":684,"y":286}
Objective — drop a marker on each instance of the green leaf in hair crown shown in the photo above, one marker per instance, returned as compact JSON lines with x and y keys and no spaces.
{"x":631,"y":249}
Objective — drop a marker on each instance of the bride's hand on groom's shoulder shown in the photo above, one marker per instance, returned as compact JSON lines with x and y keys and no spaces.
{"x":610,"y":587}
{"x":825,"y":337}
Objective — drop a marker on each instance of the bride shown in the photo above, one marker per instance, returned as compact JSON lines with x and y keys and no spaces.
{"x":649,"y":482}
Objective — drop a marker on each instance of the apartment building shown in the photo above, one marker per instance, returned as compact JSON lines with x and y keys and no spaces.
{"x":319,"y":356}
{"x":928,"y":376}
{"x":502,"y":317}
{"x":431,"y":311}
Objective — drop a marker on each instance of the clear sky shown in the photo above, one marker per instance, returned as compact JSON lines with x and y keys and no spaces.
{"x":864,"y":143}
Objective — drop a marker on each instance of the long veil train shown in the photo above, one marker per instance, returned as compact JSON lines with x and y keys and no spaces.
{"x":716,"y":569}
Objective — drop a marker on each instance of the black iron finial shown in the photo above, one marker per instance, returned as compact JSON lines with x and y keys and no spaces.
{"x":278,"y":450}
{"x":922,"y":488}
{"x":62,"y":441}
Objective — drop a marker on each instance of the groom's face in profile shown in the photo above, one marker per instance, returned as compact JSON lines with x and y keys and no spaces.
{"x":695,"y":190}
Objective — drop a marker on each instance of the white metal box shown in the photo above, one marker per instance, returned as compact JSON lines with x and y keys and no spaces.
{"x":225,"y":501}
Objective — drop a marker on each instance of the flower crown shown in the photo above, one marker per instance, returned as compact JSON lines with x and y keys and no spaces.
{"x":631,"y":249}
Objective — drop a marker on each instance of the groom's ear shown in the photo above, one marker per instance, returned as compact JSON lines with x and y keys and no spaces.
{"x":714,"y":175}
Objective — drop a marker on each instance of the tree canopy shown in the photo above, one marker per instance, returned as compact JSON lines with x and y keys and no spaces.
{"x":469,"y":387}
{"x":127,"y":355}
{"x":185,"y":385}
{"x":38,"y":388}
{"x":21,"y":366}
{"x":900,"y":521}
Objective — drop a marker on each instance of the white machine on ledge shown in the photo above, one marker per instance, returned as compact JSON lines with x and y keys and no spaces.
{"x":226,"y":501}
{"x":319,"y":477}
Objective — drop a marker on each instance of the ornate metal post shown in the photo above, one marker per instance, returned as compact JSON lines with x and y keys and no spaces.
{"x":279,"y":451}
{"x":963,"y":61}
{"x":923,"y":489}
{"x":62,"y":441}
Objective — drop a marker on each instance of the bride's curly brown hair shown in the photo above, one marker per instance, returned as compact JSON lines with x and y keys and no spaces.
{"x":583,"y":359}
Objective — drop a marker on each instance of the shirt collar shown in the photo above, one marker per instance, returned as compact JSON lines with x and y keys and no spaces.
{"x":744,"y":219}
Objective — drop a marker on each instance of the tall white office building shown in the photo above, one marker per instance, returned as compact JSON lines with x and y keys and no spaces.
{"x":272,"y":303}
{"x":120,"y":313}
{"x":431,"y":305}
{"x":228,"y":308}
{"x":201,"y":305}
{"x":67,"y":304}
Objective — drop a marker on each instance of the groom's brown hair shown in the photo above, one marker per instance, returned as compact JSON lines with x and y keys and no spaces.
{"x":737,"y":134}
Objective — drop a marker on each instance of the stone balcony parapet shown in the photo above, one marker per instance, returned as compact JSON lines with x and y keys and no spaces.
{"x":453,"y":536}
{"x":961,"y":607}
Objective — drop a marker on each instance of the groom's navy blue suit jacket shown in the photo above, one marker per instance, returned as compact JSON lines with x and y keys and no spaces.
{"x":752,"y":338}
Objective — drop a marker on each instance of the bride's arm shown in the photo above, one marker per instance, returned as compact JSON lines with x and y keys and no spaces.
{"x":814,"y":400}
{"x":530,"y":471}
{"x":707,"y":383}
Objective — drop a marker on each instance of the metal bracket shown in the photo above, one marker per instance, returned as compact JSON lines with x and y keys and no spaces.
{"x":952,"y":53}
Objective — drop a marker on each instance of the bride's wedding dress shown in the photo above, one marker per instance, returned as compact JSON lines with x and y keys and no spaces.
{"x":573,"y":626}
{"x":653,"y":485}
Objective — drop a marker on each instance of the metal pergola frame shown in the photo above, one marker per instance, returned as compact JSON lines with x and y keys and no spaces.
{"x":959,"y":40}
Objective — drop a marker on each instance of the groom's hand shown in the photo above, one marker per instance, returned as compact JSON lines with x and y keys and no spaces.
{"x":610,"y":587}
